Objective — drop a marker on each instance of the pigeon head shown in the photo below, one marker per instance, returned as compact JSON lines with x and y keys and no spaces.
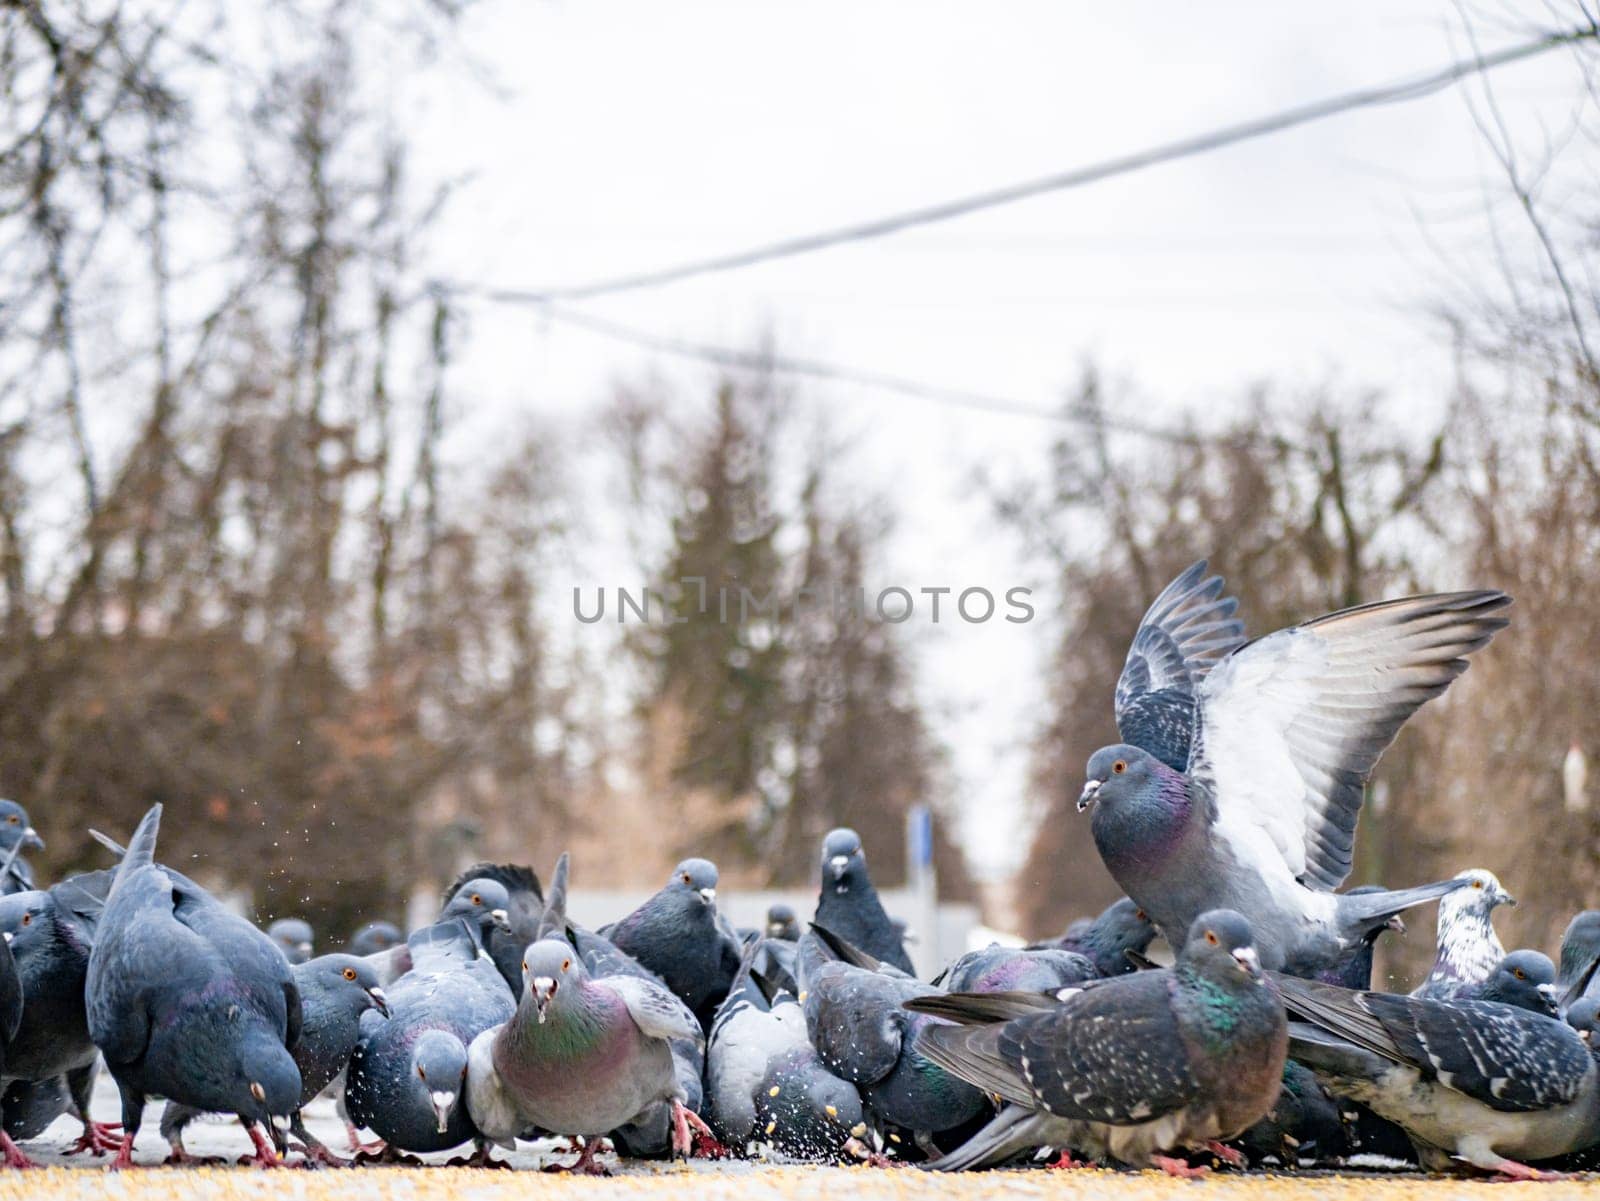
{"x":1121,"y":927}
{"x":1479,"y":897}
{"x":804,"y":1112}
{"x":1526,"y":979}
{"x":1141,"y":806}
{"x":293,"y":937}
{"x":1580,"y":948}
{"x":697,"y":876}
{"x":844,"y":863}
{"x":15,"y":828}
{"x":375,"y":937}
{"x":27,"y":922}
{"x":438,"y":1074}
{"x":351,"y":980}
{"x":1119,"y":772}
{"x":265,"y":1084}
{"x":1583,"y":1015}
{"x":1221,"y":948}
{"x":782,"y":923}
{"x":551,"y":972}
{"x":484,"y":903}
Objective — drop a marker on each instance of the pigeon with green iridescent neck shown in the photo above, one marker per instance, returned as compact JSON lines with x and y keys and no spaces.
{"x":580,"y":1057}
{"x":1133,"y":1068}
{"x":1469,"y":949}
{"x":1261,"y":818}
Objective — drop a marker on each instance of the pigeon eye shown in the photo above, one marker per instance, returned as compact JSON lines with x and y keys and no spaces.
{"x":1211,"y":937}
{"x":12,"y":819}
{"x":524,"y":965}
{"x":1519,"y":974}
{"x":1477,"y":884}
{"x":1141,"y":915}
{"x":1118,"y":767}
{"x":565,"y":964}
{"x":27,"y":919}
{"x":349,"y":973}
{"x":476,"y":899}
{"x":686,"y":877}
{"x":422,"y":1072}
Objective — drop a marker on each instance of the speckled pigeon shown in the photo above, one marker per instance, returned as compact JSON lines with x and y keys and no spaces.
{"x":1469,"y":950}
{"x":294,"y":937}
{"x":677,"y":936}
{"x":17,"y":836}
{"x":335,"y":990}
{"x":50,"y":935}
{"x":1015,"y":969}
{"x":1132,"y":1067}
{"x":408,"y":1072}
{"x":848,"y":905}
{"x":1287,"y":729}
{"x":1120,"y":927}
{"x":765,"y":1083}
{"x":1479,"y":1082}
{"x":856,"y":1020}
{"x":374,"y":937}
{"x":189,"y":1001}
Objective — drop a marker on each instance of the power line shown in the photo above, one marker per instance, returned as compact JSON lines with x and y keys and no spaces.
{"x":764,"y":362}
{"x":1076,"y":177}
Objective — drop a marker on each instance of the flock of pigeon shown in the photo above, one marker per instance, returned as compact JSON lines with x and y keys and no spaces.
{"x":1227,"y":815}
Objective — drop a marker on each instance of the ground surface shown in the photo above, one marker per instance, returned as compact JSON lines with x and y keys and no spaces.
{"x":83,"y":1178}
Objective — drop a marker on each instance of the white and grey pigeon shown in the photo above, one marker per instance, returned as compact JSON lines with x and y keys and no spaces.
{"x":1287,"y":729}
{"x":1483,"y":1083}
{"x":1469,"y":949}
{"x":1132,"y":1067}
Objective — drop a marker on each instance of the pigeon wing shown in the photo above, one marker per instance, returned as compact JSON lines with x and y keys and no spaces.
{"x":1506,"y":1058}
{"x":855,"y":1023}
{"x":1290,"y":726}
{"x":654,"y":1009}
{"x":1184,"y":633}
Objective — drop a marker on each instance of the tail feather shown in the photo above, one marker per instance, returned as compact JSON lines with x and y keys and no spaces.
{"x":1360,"y":913}
{"x":141,"y":849}
{"x":981,"y":1008}
{"x":1009,"y":1133}
{"x":555,"y":919}
{"x":843,"y":949}
{"x":971,"y":1053}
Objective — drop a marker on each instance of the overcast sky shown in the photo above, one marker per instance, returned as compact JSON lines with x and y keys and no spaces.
{"x":625,"y":136}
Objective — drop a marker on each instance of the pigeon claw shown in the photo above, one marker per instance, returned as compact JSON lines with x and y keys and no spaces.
{"x":14,"y":1158}
{"x":682,"y":1119}
{"x":1228,"y":1155}
{"x":1065,"y":1163}
{"x":1178,"y":1167}
{"x":98,"y":1138}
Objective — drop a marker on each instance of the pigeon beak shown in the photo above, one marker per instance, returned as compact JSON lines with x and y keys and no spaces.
{"x":304,"y":948}
{"x":380,"y":1000}
{"x":837,"y":865}
{"x":501,"y":919}
{"x":8,"y":937}
{"x":280,"y":1123}
{"x":1396,"y":924}
{"x":1507,"y":899}
{"x":708,"y":895}
{"x":30,"y":838}
{"x":443,"y":1103}
{"x":544,"y":988}
{"x":1087,"y":797}
{"x":1547,"y":993}
{"x":1247,"y":959}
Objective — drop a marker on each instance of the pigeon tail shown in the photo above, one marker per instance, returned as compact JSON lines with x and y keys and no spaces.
{"x":554,"y":921}
{"x":1362,"y":913}
{"x":983,"y":1008}
{"x":141,"y":849}
{"x":842,"y":949}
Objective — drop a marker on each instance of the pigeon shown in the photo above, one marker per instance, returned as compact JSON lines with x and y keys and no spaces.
{"x":335,"y":990}
{"x":11,"y":1004}
{"x":1121,"y":927}
{"x":677,"y":936}
{"x":407,"y":1074}
{"x":482,"y":904}
{"x":581,"y":1056}
{"x":1482,"y":1083}
{"x":1580,"y":954}
{"x":188,"y":1001}
{"x":1469,"y":949}
{"x":50,"y":935}
{"x":374,"y":937}
{"x":1186,"y":631}
{"x":16,"y":836}
{"x":1525,"y":978}
{"x":765,"y":1082}
{"x":516,"y":900}
{"x":1013,"y":969}
{"x":294,"y":938}
{"x":782,"y":924}
{"x":854,"y":1013}
{"x":1262,"y":817}
{"x":848,"y":905}
{"x":1133,"y":1067}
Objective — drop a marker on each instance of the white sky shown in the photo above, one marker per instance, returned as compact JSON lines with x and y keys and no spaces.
{"x":625,"y":136}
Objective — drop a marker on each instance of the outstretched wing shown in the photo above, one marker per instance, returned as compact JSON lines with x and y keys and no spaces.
{"x":1290,"y":726}
{"x":1185,"y":632}
{"x":654,"y":1009}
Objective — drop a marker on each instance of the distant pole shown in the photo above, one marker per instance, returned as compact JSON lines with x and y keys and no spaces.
{"x":924,"y":888}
